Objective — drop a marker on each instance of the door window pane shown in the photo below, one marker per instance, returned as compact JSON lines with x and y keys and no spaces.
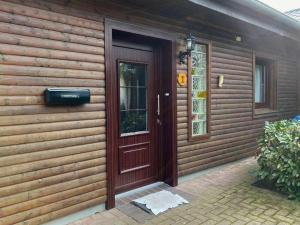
{"x":132,"y":75}
{"x":133,"y":97}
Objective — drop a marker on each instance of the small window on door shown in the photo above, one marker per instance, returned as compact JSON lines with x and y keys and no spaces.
{"x":265,"y":84}
{"x":133,"y":98}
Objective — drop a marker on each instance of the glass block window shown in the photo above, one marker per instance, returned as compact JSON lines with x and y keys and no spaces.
{"x":199,"y":90}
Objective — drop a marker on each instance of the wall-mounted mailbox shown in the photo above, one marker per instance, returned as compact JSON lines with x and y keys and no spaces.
{"x":59,"y":96}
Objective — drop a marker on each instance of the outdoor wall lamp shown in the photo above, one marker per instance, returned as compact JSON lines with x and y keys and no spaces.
{"x":190,"y":46}
{"x":238,"y":38}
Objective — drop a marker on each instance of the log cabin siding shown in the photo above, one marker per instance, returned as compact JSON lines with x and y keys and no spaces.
{"x":234,"y":128}
{"x":287,"y":87}
{"x":52,"y":159}
{"x":298,"y":87}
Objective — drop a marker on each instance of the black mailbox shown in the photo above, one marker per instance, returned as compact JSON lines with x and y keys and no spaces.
{"x":58,"y":96}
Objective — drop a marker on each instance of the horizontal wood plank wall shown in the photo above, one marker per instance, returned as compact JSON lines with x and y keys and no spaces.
{"x":298,"y":87}
{"x":52,"y":159}
{"x":287,"y":87}
{"x":233,"y":129}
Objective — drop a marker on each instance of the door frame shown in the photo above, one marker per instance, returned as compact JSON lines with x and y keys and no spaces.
{"x":171,"y":172}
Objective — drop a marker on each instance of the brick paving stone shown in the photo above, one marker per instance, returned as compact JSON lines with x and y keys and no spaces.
{"x":220,"y":196}
{"x":283,"y":219}
{"x":244,"y":212}
{"x":229,"y":218}
{"x":283,"y":212}
{"x":268,"y":219}
{"x":218,"y":210}
{"x":248,"y":200}
{"x":195,"y":222}
{"x":270,"y":212}
{"x":239,"y":223}
{"x":213,"y":217}
{"x":257,"y":211}
{"x":210,"y":222}
{"x":241,"y":218}
{"x":225,"y":222}
{"x":269,"y":223}
{"x":201,"y":218}
{"x":254,"y":223}
{"x":255,"y":218}
{"x":230,"y":211}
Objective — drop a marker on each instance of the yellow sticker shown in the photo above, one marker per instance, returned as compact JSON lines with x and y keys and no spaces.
{"x":182,"y":79}
{"x":202,"y":94}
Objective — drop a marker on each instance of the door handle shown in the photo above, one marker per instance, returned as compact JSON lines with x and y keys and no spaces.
{"x":158,"y":105}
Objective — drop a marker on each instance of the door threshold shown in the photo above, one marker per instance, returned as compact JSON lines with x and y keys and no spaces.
{"x":140,"y":189}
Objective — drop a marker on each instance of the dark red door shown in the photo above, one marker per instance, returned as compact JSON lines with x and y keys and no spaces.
{"x":135,"y":104}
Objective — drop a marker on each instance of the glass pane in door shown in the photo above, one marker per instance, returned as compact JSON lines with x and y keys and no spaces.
{"x":133,"y":98}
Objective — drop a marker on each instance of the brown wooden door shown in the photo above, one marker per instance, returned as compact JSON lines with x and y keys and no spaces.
{"x":135,"y":106}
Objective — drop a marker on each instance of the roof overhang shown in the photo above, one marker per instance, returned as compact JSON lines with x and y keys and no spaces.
{"x":257,"y":14}
{"x":260,"y":26}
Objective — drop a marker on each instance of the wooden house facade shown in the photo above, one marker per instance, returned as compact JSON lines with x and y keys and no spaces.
{"x":151,"y":117}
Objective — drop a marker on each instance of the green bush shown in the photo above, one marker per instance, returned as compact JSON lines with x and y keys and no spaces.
{"x":279,"y":157}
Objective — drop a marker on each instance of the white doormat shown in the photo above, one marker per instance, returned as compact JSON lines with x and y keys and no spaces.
{"x":159,"y":202}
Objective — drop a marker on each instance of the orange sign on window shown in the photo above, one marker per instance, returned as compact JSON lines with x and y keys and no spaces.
{"x":202,"y":94}
{"x":182,"y":79}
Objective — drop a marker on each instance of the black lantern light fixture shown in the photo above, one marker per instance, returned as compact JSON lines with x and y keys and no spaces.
{"x":190,"y":46}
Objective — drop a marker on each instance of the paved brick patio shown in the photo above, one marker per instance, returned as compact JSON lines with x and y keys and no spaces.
{"x":223,"y":195}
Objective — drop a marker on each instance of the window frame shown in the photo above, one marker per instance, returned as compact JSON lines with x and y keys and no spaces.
{"x":267,"y":80}
{"x":192,"y":138}
{"x":270,"y":63}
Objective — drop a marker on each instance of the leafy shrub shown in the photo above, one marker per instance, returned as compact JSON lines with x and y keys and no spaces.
{"x":279,"y":157}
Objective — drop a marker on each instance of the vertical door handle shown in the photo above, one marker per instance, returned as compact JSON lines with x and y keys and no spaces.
{"x":158,"y":105}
